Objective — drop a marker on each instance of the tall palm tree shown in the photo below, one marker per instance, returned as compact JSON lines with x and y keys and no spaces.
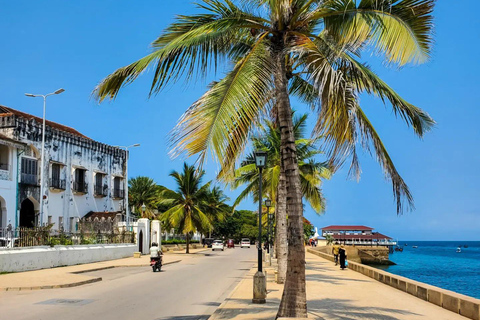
{"x":214,"y":206}
{"x":308,"y":48}
{"x":185,"y":213}
{"x":143,"y":190}
{"x":311,"y":175}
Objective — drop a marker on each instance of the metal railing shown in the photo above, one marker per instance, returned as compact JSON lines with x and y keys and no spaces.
{"x":4,"y":166}
{"x":58,"y":184}
{"x":45,"y":236}
{"x":81,"y":187}
{"x":100,"y":190}
{"x":118,"y":193}
{"x":30,"y":179}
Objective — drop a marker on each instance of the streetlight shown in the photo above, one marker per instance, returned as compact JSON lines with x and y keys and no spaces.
{"x":268,"y":203}
{"x":127,"y":209}
{"x":143,"y":210}
{"x":259,"y":281}
{"x":44,"y":96}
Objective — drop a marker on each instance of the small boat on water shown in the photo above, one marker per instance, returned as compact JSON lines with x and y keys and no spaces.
{"x":465,"y":246}
{"x":459,"y":250}
{"x":414,"y":246}
{"x":398,"y":249}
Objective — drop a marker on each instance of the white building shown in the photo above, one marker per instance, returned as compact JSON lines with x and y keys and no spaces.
{"x":81,"y":175}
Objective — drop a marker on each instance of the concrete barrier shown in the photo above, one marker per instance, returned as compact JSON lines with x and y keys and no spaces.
{"x":466,"y":306}
{"x":34,"y":258}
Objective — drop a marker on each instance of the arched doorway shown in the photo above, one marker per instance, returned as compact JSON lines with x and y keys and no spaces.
{"x":27,"y":214}
{"x":140,"y":241}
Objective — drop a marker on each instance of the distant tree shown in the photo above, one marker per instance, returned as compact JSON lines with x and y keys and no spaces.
{"x":143,"y":190}
{"x":308,"y":231}
{"x":185,"y":204}
{"x":214,"y":206}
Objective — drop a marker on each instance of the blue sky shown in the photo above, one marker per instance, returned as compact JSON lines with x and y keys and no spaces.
{"x":46,"y":45}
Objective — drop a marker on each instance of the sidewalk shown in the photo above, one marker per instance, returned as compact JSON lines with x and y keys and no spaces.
{"x":333,"y":294}
{"x":72,"y":276}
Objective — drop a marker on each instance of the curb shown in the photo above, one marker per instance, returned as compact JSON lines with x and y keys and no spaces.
{"x":218,"y":311}
{"x":79,"y":283}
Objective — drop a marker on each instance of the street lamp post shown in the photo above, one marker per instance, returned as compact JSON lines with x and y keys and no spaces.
{"x":143,"y":210}
{"x":44,"y":96}
{"x":127,"y":208}
{"x":268,"y":203}
{"x":259,"y":281}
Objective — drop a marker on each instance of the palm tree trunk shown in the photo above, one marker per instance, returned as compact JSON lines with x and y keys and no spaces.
{"x":188,"y":243}
{"x":281,"y":233}
{"x":294,"y":298}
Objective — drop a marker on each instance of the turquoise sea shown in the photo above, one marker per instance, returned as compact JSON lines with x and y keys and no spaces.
{"x":437,"y":263}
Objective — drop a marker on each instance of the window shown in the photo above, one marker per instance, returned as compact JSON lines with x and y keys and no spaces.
{"x":56,"y":182}
{"x":101,"y":189}
{"x":4,"y":155}
{"x":29,"y":171}
{"x":79,"y":184}
{"x":117,"y":187}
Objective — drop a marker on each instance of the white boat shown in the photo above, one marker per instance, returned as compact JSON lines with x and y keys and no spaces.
{"x":459,"y":250}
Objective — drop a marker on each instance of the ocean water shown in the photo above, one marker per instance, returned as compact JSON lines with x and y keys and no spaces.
{"x":437,"y":263}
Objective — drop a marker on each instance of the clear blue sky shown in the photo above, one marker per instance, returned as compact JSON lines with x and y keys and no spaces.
{"x":46,"y":45}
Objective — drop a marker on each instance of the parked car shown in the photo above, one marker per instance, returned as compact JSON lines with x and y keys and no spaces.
{"x":230,"y":243}
{"x":217,"y":244}
{"x":245,"y":243}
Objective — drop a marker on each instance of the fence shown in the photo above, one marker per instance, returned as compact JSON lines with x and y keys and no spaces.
{"x":45,"y":236}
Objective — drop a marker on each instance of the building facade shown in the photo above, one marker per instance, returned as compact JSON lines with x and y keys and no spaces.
{"x":357,"y":235}
{"x":80,"y":175}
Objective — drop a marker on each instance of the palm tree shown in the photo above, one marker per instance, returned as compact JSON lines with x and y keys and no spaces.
{"x":311,"y":175}
{"x":185,"y":213}
{"x":214,"y":206}
{"x":308,"y":48}
{"x":143,"y":190}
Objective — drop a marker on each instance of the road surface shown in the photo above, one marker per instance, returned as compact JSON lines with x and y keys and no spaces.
{"x":188,"y":290}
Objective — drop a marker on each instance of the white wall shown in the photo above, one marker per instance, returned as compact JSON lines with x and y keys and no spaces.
{"x":26,"y":259}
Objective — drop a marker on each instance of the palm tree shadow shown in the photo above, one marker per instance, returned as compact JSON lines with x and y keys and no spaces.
{"x":266,"y":311}
{"x":345,"y":310}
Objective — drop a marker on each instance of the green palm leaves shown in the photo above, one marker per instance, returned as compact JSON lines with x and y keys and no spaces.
{"x":311,"y":171}
{"x":143,"y":190}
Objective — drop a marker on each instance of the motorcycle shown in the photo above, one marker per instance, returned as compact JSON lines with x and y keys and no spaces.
{"x":156,"y":263}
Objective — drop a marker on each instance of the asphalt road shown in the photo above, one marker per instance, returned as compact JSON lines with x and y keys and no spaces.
{"x":188,"y":290}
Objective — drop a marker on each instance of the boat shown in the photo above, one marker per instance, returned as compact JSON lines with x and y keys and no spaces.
{"x":399,"y":249}
{"x":465,"y":246}
{"x":459,"y":250}
{"x":414,"y":246}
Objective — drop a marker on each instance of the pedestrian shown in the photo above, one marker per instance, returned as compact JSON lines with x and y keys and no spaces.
{"x":343,"y":257}
{"x":335,"y":250}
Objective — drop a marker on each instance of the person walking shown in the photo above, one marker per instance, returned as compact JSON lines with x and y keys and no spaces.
{"x":335,"y":249}
{"x":343,"y":257}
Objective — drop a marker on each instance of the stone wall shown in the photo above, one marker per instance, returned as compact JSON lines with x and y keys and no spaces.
{"x":464,"y":305}
{"x":34,"y":258}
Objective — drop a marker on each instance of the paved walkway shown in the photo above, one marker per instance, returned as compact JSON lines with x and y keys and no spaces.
{"x":333,"y":294}
{"x":71,"y":276}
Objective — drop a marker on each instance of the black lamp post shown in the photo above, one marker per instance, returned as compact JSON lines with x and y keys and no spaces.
{"x":268,"y":204}
{"x":259,"y":281}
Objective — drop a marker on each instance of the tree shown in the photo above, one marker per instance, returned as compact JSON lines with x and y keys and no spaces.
{"x":214,"y":206}
{"x":306,"y":48}
{"x":311,"y":175}
{"x":308,"y":231}
{"x":143,"y":190}
{"x":185,"y":213}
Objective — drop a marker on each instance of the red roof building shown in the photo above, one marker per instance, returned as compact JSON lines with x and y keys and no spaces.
{"x":357,"y":235}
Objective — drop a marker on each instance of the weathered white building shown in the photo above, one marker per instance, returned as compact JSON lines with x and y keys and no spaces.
{"x":81,"y":175}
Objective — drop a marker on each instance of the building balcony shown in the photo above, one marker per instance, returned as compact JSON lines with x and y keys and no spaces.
{"x":59,"y":184}
{"x":80,"y":187}
{"x":4,"y":171}
{"x":100,"y":191}
{"x":118,"y":193}
{"x":29,"y":179}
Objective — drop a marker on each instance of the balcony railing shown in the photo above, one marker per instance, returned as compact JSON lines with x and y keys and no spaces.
{"x":118,"y":193}
{"x":80,"y":187}
{"x":58,"y":184}
{"x":30,"y":179}
{"x":101,"y":191}
{"x":4,"y":166}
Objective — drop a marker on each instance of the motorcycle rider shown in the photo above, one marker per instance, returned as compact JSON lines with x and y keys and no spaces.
{"x":155,"y":252}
